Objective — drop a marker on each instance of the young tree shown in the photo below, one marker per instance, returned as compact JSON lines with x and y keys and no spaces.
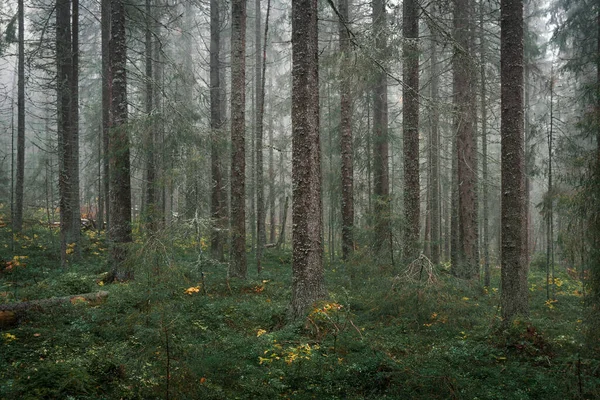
{"x":119,"y":233}
{"x":150,"y":204}
{"x":410,"y":127}
{"x":238,"y":267}
{"x":307,"y":233}
{"x":435,"y":153}
{"x":514,"y":295}
{"x":346,"y":145}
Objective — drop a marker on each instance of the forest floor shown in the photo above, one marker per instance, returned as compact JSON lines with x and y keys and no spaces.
{"x":181,"y":330}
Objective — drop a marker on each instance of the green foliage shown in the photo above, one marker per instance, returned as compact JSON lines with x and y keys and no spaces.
{"x":182,"y":327}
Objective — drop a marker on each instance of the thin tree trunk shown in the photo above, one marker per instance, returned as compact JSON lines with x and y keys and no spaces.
{"x":484,"y":151}
{"x":346,"y":141}
{"x":19,"y":187}
{"x":74,"y":134}
{"x":238,"y":267}
{"x":150,"y":208}
{"x":271,"y":176}
{"x":435,"y":153}
{"x":260,"y":111}
{"x":514,"y":291}
{"x":381,"y":187}
{"x":308,"y":283}
{"x":410,"y":127}
{"x":106,"y":96}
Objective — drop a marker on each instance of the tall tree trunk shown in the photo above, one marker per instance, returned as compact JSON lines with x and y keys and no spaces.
{"x":238,"y":267}
{"x":346,"y":141}
{"x":19,"y":187}
{"x":484,"y":151}
{"x":64,"y":75}
{"x":381,"y":186}
{"x":271,"y":175}
{"x":261,"y":62}
{"x":119,"y":233}
{"x":466,"y":151}
{"x":410,"y":127}
{"x":150,"y":203}
{"x":106,"y":96}
{"x":308,"y":283}
{"x":514,"y":293}
{"x":217,"y":205}
{"x":435,"y":152}
{"x":74,"y":125}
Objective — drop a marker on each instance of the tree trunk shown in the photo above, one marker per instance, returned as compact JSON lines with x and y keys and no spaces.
{"x":106,"y":96}
{"x":346,"y":141}
{"x":308,"y":283}
{"x":271,"y":176}
{"x":260,"y":111}
{"x":484,"y":152}
{"x":19,"y":187}
{"x":435,"y":154}
{"x":410,"y":127}
{"x":238,"y":267}
{"x":466,"y":266}
{"x":64,"y":69}
{"x":514,"y":293}
{"x":74,"y":134}
{"x":381,"y":187}
{"x":150,"y":203}
{"x":217,"y":205}
{"x":119,"y":234}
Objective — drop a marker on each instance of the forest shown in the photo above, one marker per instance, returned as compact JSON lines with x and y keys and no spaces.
{"x":299,"y":199}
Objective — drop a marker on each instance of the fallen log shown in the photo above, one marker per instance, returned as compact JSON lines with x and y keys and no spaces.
{"x":90,"y":298}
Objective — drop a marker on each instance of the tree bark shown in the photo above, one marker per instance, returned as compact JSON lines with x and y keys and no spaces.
{"x":435,"y":154}
{"x":410,"y":127}
{"x":20,"y":183}
{"x":484,"y":153}
{"x":307,"y":265}
{"x":466,"y":266}
{"x":514,"y":294}
{"x":119,"y":234}
{"x":238,"y":267}
{"x":381,"y":186}
{"x":149,"y":213}
{"x":74,"y":126}
{"x":217,"y":205}
{"x":64,"y":69}
{"x":106,"y":95}
{"x":346,"y":140}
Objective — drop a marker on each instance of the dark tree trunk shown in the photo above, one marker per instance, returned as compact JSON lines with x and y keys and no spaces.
{"x":484,"y":154}
{"x":106,"y":96}
{"x":514,"y":293}
{"x":346,"y":145}
{"x":435,"y":154}
{"x":19,"y":187}
{"x":307,"y":266}
{"x":149,"y":213}
{"x":217,"y":205}
{"x":261,"y":60}
{"x":64,"y":69}
{"x":119,"y":234}
{"x":466,"y":266}
{"x":410,"y":127}
{"x":238,"y":267}
{"x":74,"y":126}
{"x":271,"y":176}
{"x":381,"y":186}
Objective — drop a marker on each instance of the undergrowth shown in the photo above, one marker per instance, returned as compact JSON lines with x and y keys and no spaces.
{"x":182,"y":330}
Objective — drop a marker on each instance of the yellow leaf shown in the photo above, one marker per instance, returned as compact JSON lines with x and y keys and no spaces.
{"x":260,"y":332}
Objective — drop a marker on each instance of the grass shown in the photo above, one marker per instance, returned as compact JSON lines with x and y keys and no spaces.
{"x":181,"y":330}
